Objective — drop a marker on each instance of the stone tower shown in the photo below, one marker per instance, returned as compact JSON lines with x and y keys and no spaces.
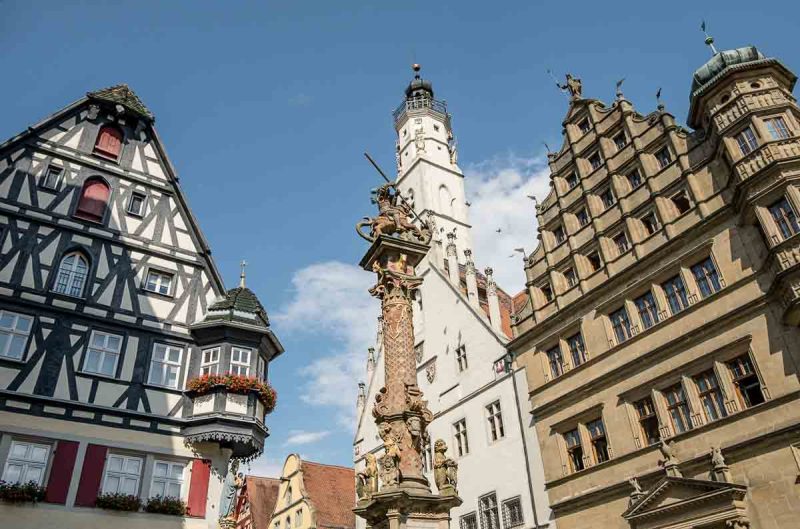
{"x":427,"y":162}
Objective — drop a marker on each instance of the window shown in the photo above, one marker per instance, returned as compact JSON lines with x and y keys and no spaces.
{"x":705,"y":274}
{"x":675,"y":291}
{"x":102,"y":354}
{"x":136,"y":204}
{"x":14,"y":331}
{"x":607,"y":196}
{"x":583,"y":217}
{"x":597,"y":433}
{"x":109,"y":142}
{"x":572,"y":179}
{"x":289,"y":520}
{"x":240,"y":361}
{"x":634,"y":178}
{"x":584,"y":125}
{"x":663,"y":157}
{"x":777,"y":128}
{"x":547,"y":292}
{"x":595,"y":161}
{"x":495,"y":418}
{"x":559,"y":234}
{"x":298,"y":518}
{"x":26,"y":462}
{"x":461,"y":357}
{"x":747,"y":141}
{"x":594,"y":261}
{"x":681,"y":202}
{"x":577,"y":349}
{"x":570,"y":276}
{"x":469,"y":521}
{"x":278,"y":524}
{"x":746,"y":381}
{"x":158,"y":282}
{"x":167,"y":479}
{"x":621,"y":242}
{"x":460,"y":434}
{"x":648,"y":311}
{"x":650,"y":222}
{"x":289,"y":495}
{"x":783,"y":215}
{"x":710,"y":395}
{"x":165,"y":365}
{"x":621,"y":324}
{"x":209,"y":364}
{"x":487,"y":505}
{"x":648,"y":422}
{"x":512,"y":513}
{"x":71,"y":277}
{"x":556,"y":361}
{"x":52,"y":177}
{"x":122,"y":475}
{"x":620,"y":141}
{"x":574,"y":450}
{"x":93,"y":200}
{"x":678,"y":409}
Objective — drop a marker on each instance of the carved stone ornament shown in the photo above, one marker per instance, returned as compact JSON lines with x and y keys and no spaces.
{"x":670,"y":462}
{"x":430,"y":372}
{"x":445,"y":470}
{"x":393,"y":219}
{"x":367,"y":479}
{"x":390,"y":463}
{"x":740,"y":522}
{"x":94,"y":111}
{"x":419,"y":139}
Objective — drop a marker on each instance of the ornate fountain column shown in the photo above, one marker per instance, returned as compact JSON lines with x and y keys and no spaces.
{"x":401,"y":414}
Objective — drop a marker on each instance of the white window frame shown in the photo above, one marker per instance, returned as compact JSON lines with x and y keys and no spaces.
{"x":13,"y":332}
{"x":27,"y":462}
{"x":494,"y":420}
{"x":160,"y":278}
{"x":104,"y":351}
{"x":210,"y":366}
{"x":239,"y":366}
{"x":122,"y":474}
{"x":129,"y":208}
{"x":169,"y":479}
{"x":461,"y":437}
{"x":261,"y":368}
{"x":75,"y":275}
{"x":462,"y":362}
{"x":163,"y":365}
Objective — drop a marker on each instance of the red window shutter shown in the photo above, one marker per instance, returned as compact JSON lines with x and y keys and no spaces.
{"x":109,"y":142}
{"x":93,"y":201}
{"x":61,"y":472}
{"x":198,"y":487}
{"x":91,"y":475}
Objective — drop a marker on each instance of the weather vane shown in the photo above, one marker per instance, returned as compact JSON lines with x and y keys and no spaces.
{"x":709,"y":38}
{"x":243,"y":264}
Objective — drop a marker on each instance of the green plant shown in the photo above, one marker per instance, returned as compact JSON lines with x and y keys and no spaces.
{"x":21,"y":492}
{"x":235,"y":384}
{"x":166,"y":505}
{"x":119,"y":502}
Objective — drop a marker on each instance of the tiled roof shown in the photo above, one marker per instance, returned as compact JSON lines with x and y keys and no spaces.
{"x":237,"y":305}
{"x":123,"y":95}
{"x":262,"y":495}
{"x":331,"y":490}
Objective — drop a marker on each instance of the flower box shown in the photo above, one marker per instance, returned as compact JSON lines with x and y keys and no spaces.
{"x":29,"y":492}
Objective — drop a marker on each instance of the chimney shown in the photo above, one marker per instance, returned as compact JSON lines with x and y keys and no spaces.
{"x":494,"y":302}
{"x":472,"y":279}
{"x":362,"y":397}
{"x":370,"y":360}
{"x":452,"y":259}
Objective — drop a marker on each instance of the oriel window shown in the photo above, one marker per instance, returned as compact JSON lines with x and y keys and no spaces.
{"x":747,"y":141}
{"x":777,"y":128}
{"x":784,"y":217}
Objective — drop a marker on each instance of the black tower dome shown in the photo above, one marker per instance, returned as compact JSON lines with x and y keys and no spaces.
{"x":419,"y":87}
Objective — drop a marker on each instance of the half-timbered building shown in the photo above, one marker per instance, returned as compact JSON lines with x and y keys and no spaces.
{"x":110,"y":303}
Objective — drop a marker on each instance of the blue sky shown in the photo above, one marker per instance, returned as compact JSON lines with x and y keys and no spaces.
{"x":266,"y":107}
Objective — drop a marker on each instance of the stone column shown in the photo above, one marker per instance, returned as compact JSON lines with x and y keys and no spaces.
{"x":471,"y":277}
{"x":452,"y":260}
{"x":370,"y":361}
{"x":493,"y":300}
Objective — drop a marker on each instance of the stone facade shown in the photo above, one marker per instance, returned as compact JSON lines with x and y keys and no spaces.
{"x":663,"y":306}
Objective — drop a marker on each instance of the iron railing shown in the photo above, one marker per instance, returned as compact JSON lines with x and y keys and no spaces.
{"x":420,"y":103}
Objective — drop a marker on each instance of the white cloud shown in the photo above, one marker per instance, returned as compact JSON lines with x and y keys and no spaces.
{"x":300,"y":437}
{"x":333,"y":295}
{"x":497,"y":190}
{"x":265,"y":466}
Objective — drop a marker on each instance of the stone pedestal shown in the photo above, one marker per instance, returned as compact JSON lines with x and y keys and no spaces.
{"x":403,"y":509}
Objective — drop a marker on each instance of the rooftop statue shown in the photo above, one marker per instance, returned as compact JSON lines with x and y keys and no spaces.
{"x":573,"y":86}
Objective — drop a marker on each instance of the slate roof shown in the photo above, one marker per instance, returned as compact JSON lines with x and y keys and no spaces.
{"x":236,"y":305}
{"x":262,"y":495}
{"x":720,"y":61}
{"x":123,"y":95}
{"x":331,"y":490}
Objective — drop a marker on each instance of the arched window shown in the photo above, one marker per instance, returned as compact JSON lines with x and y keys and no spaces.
{"x":93,"y":200}
{"x":109,"y":142}
{"x":445,"y":201}
{"x":72,"y":273}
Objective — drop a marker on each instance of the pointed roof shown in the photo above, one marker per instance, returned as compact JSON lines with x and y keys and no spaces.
{"x":330,"y":490}
{"x":123,"y":95}
{"x":262,"y":495}
{"x":239,"y":304}
{"x":677,"y":493}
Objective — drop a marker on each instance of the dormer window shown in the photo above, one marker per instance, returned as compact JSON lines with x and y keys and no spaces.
{"x":747,"y":141}
{"x":584,"y":125}
{"x":595,"y":160}
{"x":109,"y":142}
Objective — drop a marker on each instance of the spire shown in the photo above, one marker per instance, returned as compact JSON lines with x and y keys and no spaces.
{"x":709,"y":39}
{"x":241,"y":276}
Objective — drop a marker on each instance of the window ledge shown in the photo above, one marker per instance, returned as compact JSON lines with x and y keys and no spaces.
{"x":150,"y":385}
{"x":156,"y":294}
{"x":100,"y":376}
